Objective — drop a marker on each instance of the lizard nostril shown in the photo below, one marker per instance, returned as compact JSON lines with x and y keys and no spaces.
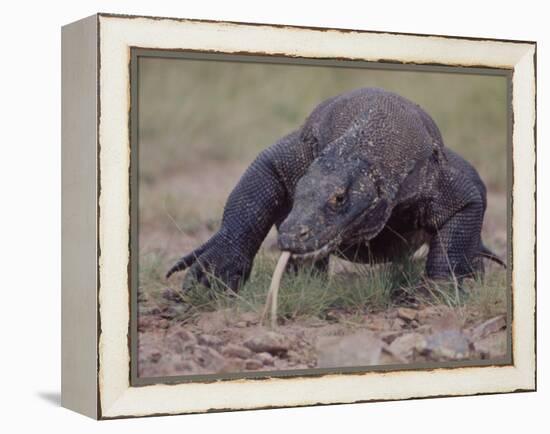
{"x":303,"y":232}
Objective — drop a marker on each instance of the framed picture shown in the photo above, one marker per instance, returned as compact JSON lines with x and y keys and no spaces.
{"x":260,"y":216}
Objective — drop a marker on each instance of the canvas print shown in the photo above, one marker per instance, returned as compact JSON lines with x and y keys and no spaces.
{"x":297,"y":219}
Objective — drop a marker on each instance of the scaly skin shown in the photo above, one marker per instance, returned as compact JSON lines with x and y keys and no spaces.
{"x":366,"y":177}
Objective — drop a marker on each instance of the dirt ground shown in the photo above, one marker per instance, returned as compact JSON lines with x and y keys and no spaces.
{"x":174,"y":342}
{"x":227,"y":341}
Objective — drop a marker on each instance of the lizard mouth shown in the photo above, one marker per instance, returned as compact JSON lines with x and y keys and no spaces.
{"x":319,"y":253}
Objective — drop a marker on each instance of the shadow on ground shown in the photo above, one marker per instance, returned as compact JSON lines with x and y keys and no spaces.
{"x":52,"y":398}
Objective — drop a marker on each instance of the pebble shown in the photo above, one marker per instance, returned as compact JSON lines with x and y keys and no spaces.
{"x":389,"y":336}
{"x":265,"y":358}
{"x":253,"y":364}
{"x":163,"y":323}
{"x":359,"y":349}
{"x":145,"y":322}
{"x":155,"y":357}
{"x":250,"y":318}
{"x":182,"y":334}
{"x":233,"y":365}
{"x":448,"y":344}
{"x":211,"y":322}
{"x":233,"y":350}
{"x":377,"y":323}
{"x":208,"y":357}
{"x":488,"y":327}
{"x":408,"y":344}
{"x":268,"y":342}
{"x":492,"y":346}
{"x":210,"y":340}
{"x":398,"y":324}
{"x":406,"y":313}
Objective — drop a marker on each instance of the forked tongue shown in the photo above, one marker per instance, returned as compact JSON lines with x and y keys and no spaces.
{"x":271,"y":300}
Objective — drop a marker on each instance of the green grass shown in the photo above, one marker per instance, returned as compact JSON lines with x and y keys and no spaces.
{"x":488,"y":296}
{"x":307,"y":293}
{"x":361,"y":289}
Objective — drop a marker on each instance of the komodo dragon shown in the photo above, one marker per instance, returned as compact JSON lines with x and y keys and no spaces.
{"x":367,"y":178}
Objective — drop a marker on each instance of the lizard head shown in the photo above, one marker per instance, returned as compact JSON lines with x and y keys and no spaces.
{"x":336,"y":201}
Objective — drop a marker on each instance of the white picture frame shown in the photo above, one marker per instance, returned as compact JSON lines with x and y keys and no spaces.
{"x":96,"y":357}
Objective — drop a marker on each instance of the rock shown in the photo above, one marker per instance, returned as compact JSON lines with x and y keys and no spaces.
{"x":449,"y":344}
{"x":293,"y":355}
{"x":210,"y":340}
{"x":376,"y":323}
{"x":408,"y":345}
{"x":211,"y":322}
{"x":492,"y":346}
{"x":233,"y":350}
{"x":406,"y":313}
{"x":250,"y":318}
{"x":145,"y":322}
{"x":389,"y":336}
{"x":265,"y":358}
{"x":448,"y":320}
{"x":490,"y":326}
{"x":253,"y":364}
{"x":233,"y":365}
{"x":163,"y":323}
{"x":181,"y":335}
{"x":208,"y":358}
{"x":360,"y":349}
{"x":398,"y":324}
{"x":155,"y":357}
{"x":268,"y":342}
{"x":388,"y":358}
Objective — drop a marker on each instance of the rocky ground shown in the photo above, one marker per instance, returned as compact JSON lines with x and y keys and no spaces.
{"x":227,"y":341}
{"x":181,"y":209}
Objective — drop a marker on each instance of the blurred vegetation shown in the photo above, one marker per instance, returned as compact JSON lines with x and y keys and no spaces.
{"x":202,"y":122}
{"x":193,"y":110}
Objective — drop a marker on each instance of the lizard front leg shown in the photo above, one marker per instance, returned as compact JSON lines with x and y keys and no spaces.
{"x":457,"y":217}
{"x":261,"y":197}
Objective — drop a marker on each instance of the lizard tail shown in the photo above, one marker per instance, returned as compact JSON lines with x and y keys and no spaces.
{"x":488,"y":254}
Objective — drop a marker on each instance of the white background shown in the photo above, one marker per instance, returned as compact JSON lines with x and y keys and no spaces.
{"x":30,"y":217}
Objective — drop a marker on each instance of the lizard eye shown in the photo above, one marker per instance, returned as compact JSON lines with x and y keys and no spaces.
{"x":338,"y":199}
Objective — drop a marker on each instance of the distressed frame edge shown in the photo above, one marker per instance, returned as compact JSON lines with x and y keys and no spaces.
{"x":79,"y":275}
{"x":528,"y":382}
